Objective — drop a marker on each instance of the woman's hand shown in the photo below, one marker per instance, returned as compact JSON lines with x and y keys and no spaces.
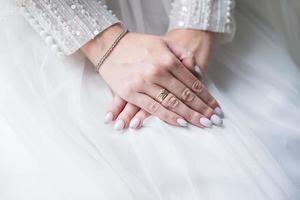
{"x":198,"y":45}
{"x":124,"y":114}
{"x":141,"y":66}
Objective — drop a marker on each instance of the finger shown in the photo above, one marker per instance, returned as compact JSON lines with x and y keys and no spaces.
{"x":114,"y":109}
{"x":194,"y":65}
{"x":199,"y":88}
{"x":187,"y":96}
{"x":184,"y":55}
{"x":186,"y":77}
{"x":138,"y":119}
{"x":186,"y":58}
{"x":151,"y":106}
{"x":172,"y":103}
{"x":198,"y":72}
{"x":125,"y":116}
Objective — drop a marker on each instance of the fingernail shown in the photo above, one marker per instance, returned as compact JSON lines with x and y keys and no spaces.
{"x":205,"y":122}
{"x":216,"y":120}
{"x":119,"y":125}
{"x":108,"y":118}
{"x":182,"y":122}
{"x":134,"y":123}
{"x":198,"y":70}
{"x":219,"y":112}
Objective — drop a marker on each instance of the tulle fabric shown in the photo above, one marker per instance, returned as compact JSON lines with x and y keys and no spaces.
{"x":54,"y":145}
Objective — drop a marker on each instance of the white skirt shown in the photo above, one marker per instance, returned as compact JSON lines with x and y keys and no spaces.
{"x":54,"y":144}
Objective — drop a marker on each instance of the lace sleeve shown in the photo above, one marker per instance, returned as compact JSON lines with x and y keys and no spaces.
{"x":211,"y":15}
{"x":66,"y":25}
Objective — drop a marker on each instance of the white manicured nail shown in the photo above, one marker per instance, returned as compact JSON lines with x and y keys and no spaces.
{"x":134,"y":123}
{"x":119,"y":125}
{"x":182,"y":122}
{"x":108,"y":117}
{"x":219,"y":112}
{"x":205,"y":122}
{"x":198,"y":70}
{"x":216,"y":120}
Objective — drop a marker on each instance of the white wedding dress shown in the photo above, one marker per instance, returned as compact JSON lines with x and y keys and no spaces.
{"x":54,"y":144}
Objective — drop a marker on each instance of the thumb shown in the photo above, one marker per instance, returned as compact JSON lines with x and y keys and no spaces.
{"x":186,"y":57}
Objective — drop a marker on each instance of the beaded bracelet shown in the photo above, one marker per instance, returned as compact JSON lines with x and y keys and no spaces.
{"x":108,"y":52}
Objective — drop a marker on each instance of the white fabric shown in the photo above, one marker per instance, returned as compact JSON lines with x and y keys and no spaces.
{"x":66,"y":25}
{"x":54,"y":145}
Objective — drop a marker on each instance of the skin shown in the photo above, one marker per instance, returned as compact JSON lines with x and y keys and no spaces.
{"x":155,"y":63}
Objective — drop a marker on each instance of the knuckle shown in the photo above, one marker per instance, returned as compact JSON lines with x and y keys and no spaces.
{"x":168,"y":62}
{"x":195,"y":116}
{"x":209,"y":112}
{"x":213,"y":102}
{"x":117,"y":106}
{"x":164,"y":116}
{"x":125,"y":92}
{"x":153,"y":107}
{"x":126,"y":117}
{"x":191,"y":116}
{"x":171,"y":102}
{"x":154,"y":71}
{"x":197,"y":86}
{"x":142,"y":115}
{"x":190,"y":57}
{"x":188,"y":95}
{"x":136,"y":84}
{"x":130,"y":88}
{"x":188,"y":54}
{"x":202,"y":108}
{"x":173,"y":118}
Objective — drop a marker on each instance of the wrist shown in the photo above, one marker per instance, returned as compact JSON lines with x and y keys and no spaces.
{"x":191,"y":39}
{"x":96,"y":48}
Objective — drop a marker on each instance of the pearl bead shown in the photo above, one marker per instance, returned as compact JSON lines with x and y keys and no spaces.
{"x":96,"y":32}
{"x":181,"y":23}
{"x":32,"y":21}
{"x":43,"y":33}
{"x":49,"y":40}
{"x":54,"y":48}
{"x":27,"y":15}
{"x":60,"y":54}
{"x":55,"y":23}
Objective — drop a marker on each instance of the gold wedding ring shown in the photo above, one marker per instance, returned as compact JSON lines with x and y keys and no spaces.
{"x":162,"y":95}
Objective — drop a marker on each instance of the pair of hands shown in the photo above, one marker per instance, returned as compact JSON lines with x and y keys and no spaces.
{"x":142,"y":65}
